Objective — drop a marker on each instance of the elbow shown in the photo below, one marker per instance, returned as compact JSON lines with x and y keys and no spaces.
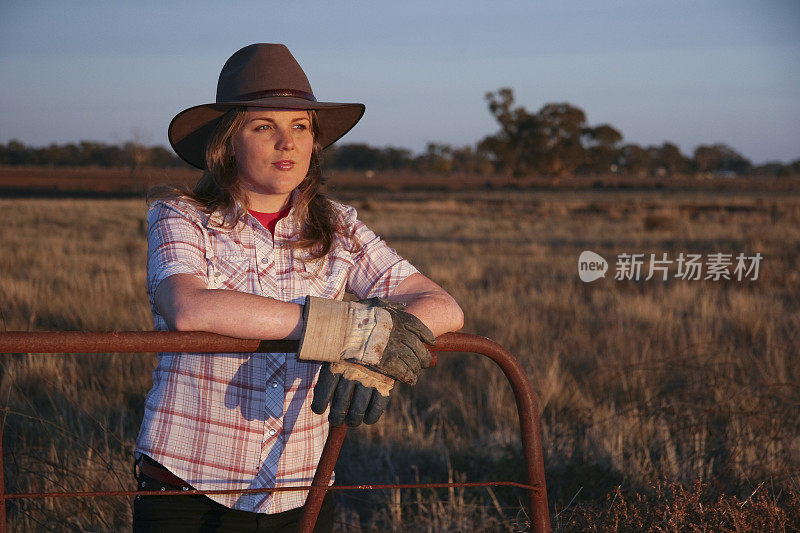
{"x":181,"y":322}
{"x":458,"y":317}
{"x":452,"y":314}
{"x":178,"y":299}
{"x":184,"y":320}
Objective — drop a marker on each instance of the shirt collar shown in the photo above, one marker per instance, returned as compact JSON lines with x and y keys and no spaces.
{"x":286,"y":226}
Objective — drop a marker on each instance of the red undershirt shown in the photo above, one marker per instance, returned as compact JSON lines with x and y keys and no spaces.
{"x":270,"y":220}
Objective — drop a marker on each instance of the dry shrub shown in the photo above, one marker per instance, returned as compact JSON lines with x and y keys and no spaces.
{"x":669,"y":506}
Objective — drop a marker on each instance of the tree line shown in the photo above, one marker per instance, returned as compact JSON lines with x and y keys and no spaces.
{"x":554,"y":141}
{"x":89,"y":153}
{"x":557,"y":140}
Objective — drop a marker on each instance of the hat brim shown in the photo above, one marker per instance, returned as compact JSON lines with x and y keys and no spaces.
{"x":191,"y":129}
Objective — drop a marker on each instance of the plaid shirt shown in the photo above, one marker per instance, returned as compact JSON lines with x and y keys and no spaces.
{"x":240,"y":420}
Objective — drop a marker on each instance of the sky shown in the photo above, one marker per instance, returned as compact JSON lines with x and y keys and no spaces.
{"x":689,"y":72}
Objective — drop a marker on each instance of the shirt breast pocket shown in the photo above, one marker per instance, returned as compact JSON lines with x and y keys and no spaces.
{"x":327,"y":276}
{"x":231,"y":272}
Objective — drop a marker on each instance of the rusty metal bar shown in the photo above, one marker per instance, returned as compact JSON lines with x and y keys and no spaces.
{"x":118,"y":342}
{"x":530,"y":426}
{"x":134,"y":341}
{"x":113,"y":493}
{"x":322,"y":477}
{"x":2,"y":480}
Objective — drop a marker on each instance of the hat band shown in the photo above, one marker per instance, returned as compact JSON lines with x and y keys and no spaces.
{"x":271,"y":93}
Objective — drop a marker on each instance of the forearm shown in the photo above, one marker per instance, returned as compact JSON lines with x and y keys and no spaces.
{"x":430,"y":303}
{"x":189,"y":306}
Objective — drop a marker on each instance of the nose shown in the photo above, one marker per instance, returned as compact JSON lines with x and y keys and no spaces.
{"x":285,"y":141}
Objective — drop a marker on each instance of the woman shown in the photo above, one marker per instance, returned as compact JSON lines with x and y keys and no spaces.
{"x":255,"y":251}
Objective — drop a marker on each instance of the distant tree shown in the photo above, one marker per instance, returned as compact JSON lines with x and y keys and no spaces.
{"x":360,"y":156}
{"x":518,"y":146}
{"x":15,"y":153}
{"x":136,"y":155}
{"x":160,"y":157}
{"x":112,"y":156}
{"x":707,"y":158}
{"x":602,"y":148}
{"x":395,"y":158}
{"x":634,"y":160}
{"x":437,"y":158}
{"x":603,"y":135}
{"x":56,"y":155}
{"x":356,"y":157}
{"x":563,"y":126}
{"x":469,"y":160}
{"x":771,"y":169}
{"x":720,"y":157}
{"x":734,"y":161}
{"x":92,"y":153}
{"x":669,"y":157}
{"x":550,"y":141}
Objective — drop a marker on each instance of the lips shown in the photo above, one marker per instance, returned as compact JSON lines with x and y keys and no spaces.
{"x":284,"y":164}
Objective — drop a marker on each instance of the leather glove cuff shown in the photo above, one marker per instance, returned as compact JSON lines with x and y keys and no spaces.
{"x":334,"y":330}
{"x":369,"y":378}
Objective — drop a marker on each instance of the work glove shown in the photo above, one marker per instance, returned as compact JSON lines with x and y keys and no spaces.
{"x":354,"y":393}
{"x":405,"y":355}
{"x":375,"y":333}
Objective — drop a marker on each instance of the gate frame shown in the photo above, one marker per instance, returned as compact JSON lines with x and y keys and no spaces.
{"x":75,"y":342}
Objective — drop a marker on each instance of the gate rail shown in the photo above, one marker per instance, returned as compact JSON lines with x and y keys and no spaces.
{"x":76,"y":342}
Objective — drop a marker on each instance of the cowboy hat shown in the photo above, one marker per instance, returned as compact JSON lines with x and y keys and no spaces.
{"x":258,"y":75}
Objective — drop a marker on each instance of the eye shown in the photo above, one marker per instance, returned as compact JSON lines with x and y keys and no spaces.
{"x":301,"y":126}
{"x":263,"y":127}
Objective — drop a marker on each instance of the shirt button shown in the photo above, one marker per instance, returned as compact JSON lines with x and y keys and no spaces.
{"x":265,"y":260}
{"x":272,"y":432}
{"x":274,"y":384}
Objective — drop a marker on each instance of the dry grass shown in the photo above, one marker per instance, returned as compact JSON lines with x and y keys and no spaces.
{"x":690,"y":382}
{"x":673,"y":507}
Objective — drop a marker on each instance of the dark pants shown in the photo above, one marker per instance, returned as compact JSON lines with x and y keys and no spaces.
{"x":178,"y":514}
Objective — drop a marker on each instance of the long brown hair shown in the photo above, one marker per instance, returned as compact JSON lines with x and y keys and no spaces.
{"x":219,"y":190}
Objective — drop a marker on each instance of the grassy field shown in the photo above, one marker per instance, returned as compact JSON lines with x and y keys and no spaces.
{"x":666,"y":405}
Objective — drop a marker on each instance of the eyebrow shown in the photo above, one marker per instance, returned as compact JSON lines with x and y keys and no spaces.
{"x":267,"y":119}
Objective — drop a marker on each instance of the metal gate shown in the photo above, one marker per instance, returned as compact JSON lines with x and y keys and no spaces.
{"x":199,"y":342}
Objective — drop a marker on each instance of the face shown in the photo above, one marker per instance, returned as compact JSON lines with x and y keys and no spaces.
{"x":273,"y":151}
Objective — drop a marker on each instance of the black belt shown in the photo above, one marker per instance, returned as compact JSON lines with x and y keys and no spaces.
{"x":155,"y":470}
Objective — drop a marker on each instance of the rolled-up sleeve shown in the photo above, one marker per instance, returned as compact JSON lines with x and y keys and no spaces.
{"x":175,"y":245}
{"x":377,"y":268}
